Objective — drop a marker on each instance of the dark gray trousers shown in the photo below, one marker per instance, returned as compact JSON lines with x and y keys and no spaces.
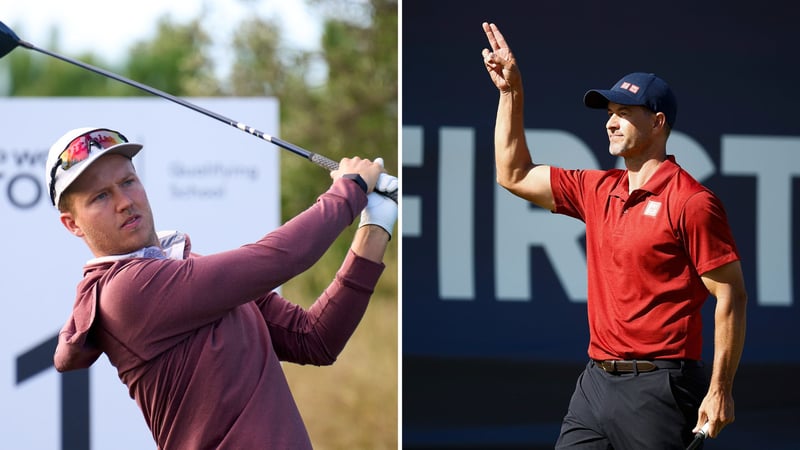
{"x":648,"y":410}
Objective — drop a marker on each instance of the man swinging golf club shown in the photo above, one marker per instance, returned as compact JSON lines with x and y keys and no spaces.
{"x":198,"y":340}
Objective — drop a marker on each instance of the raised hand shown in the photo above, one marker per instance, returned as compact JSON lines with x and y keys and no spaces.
{"x":370,"y":171}
{"x":500,"y":61}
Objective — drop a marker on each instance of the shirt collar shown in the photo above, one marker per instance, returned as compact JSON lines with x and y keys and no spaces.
{"x":662,"y":176}
{"x":665,"y":171}
{"x":171,"y":243}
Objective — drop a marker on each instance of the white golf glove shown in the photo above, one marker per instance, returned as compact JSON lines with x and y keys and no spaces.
{"x":381,"y":210}
{"x":386,"y":183}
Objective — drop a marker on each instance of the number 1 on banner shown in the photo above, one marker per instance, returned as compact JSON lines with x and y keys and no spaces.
{"x":74,"y":393}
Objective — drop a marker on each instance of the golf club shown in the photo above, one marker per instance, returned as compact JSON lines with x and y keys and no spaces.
{"x":699,"y":437}
{"x":9,"y":41}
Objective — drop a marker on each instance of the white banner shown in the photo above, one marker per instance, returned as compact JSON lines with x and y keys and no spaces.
{"x":218,"y":184}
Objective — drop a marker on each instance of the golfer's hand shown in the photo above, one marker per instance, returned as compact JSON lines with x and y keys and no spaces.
{"x":717,"y":410}
{"x":380,"y":210}
{"x":369,"y":171}
{"x":386,"y":183}
{"x":500,"y":62}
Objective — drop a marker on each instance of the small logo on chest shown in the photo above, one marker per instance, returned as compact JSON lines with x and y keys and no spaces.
{"x":651,"y":209}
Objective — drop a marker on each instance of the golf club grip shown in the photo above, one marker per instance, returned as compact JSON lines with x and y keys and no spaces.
{"x":323,"y":161}
{"x":699,"y":437}
{"x":316,"y":158}
{"x":332,"y":165}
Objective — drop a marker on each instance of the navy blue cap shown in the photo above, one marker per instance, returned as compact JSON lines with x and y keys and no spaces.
{"x":638,"y":88}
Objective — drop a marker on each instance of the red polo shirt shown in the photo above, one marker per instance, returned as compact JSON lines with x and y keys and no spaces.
{"x":645,"y":253}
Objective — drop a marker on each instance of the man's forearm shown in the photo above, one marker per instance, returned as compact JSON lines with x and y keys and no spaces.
{"x":370,"y":242}
{"x":729,"y":334}
{"x":512,"y":158}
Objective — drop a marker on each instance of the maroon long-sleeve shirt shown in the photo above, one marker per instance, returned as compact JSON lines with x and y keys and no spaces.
{"x":198,"y":340}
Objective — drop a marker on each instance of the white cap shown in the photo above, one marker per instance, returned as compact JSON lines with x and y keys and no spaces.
{"x":63,"y":178}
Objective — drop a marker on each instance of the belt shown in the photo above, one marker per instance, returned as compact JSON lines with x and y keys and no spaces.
{"x":636,"y":366}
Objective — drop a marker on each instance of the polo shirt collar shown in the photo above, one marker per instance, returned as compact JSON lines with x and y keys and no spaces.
{"x":665,"y":171}
{"x":172,"y":246}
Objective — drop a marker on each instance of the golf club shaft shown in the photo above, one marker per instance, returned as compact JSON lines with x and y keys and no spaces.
{"x":316,"y":158}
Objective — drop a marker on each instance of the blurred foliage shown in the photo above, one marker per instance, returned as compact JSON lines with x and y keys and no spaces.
{"x":32,"y":74}
{"x":352,"y":113}
{"x":175,"y":60}
{"x":339,"y":101}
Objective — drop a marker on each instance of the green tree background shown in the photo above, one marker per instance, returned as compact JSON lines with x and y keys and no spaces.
{"x":340,"y":100}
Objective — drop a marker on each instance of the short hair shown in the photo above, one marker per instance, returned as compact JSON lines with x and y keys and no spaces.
{"x":65,"y":202}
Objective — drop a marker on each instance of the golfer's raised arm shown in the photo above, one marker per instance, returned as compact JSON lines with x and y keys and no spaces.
{"x":515,"y":168}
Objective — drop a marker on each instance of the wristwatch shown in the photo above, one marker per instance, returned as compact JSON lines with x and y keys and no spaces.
{"x":357,"y":178}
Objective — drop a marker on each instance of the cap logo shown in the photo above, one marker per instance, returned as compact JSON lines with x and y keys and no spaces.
{"x":640,"y":89}
{"x":632,"y":88}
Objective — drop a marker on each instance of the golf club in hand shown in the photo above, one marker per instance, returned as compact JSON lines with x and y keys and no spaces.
{"x":9,"y":41}
{"x":699,"y":437}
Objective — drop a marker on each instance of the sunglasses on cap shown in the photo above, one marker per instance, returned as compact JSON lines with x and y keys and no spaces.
{"x":80,"y":148}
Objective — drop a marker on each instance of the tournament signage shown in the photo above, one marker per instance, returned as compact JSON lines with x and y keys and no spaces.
{"x":216,"y":184}
{"x":494,"y":289}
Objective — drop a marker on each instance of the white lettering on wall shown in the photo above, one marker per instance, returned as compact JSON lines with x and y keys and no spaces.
{"x":774,"y":161}
{"x":413,"y":154}
{"x":456,"y":213}
{"x":518,"y":225}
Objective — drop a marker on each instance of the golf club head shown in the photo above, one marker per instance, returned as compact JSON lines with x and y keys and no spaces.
{"x":8,"y":40}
